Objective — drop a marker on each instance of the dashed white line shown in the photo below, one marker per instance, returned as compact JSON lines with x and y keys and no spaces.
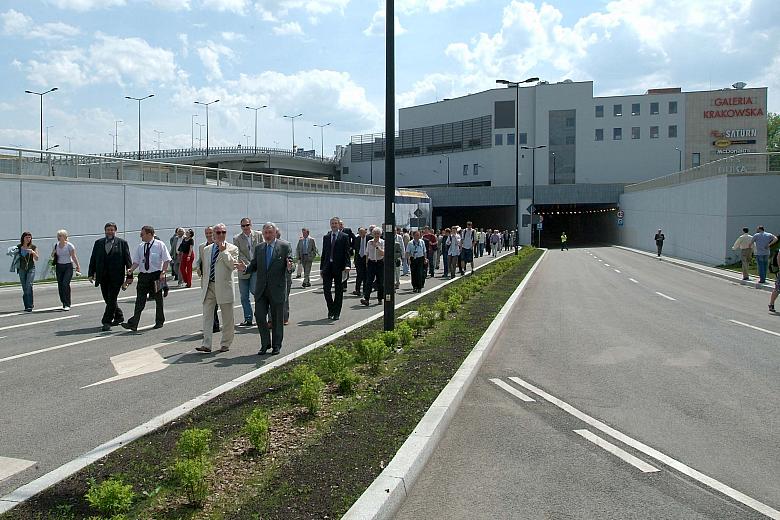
{"x":662,"y":295}
{"x":512,"y":390}
{"x":638,"y":463}
{"x":607,"y":265}
{"x":18,"y":325}
{"x":653,"y":453}
{"x":632,"y":280}
{"x":617,"y":271}
{"x":773,"y":333}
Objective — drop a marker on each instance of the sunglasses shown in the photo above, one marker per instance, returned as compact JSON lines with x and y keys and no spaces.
{"x":246,"y":225}
{"x":220,"y":232}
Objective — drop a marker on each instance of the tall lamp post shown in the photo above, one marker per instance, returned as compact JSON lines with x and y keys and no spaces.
{"x":207,"y":120}
{"x":200,"y":134}
{"x":192,"y":131}
{"x":516,"y":85}
{"x":139,"y":119}
{"x":47,"y":135}
{"x":679,"y":167}
{"x":69,"y":139}
{"x":553,"y":156}
{"x":41,"y":94}
{"x":116,"y":135}
{"x":256,"y":109}
{"x":533,"y":183}
{"x":292,"y":120}
{"x":322,"y":140}
{"x":389,"y":231}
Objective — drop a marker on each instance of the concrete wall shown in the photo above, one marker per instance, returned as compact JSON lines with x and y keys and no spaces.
{"x":82,"y":207}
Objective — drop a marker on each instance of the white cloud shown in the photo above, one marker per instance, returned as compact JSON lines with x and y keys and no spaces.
{"x":377,"y":25}
{"x":15,"y":23}
{"x":86,"y":5}
{"x":230,"y":6}
{"x":431,"y":6}
{"x":172,"y":5}
{"x":276,"y":10}
{"x":210,"y":54}
{"x":289,"y":29}
{"x":233,"y":37}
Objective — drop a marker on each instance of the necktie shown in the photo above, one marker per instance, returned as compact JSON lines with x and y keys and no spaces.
{"x":109,"y":245}
{"x":214,"y":255}
{"x":305,"y":250}
{"x":269,"y":251}
{"x":362,"y":246}
{"x":147,"y":252}
{"x":333,"y":236}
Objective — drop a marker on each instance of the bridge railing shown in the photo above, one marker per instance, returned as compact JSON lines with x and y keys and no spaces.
{"x":765,"y":163}
{"x":200,"y":153}
{"x":30,"y":162}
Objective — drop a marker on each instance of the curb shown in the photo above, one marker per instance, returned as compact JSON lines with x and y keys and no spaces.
{"x":389,"y":490}
{"x":712,"y":271}
{"x":27,"y":491}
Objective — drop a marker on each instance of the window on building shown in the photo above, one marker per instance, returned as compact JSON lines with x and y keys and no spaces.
{"x":523,"y":138}
{"x":653,"y":132}
{"x":672,"y":131}
{"x":599,"y":110}
{"x":510,"y":140}
{"x":345,"y":170}
{"x":634,"y":109}
{"x":617,"y":134}
{"x":672,"y":107}
{"x":599,"y":134}
{"x":654,"y":108}
{"x":570,"y":122}
{"x":570,"y":139}
{"x":695,"y":160}
{"x":499,"y":139}
{"x":476,"y":169}
{"x":635,"y":132}
{"x":617,"y":110}
{"x":465,"y":169}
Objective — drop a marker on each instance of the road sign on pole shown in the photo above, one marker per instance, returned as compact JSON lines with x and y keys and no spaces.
{"x":621,"y":214}
{"x":620,"y":222}
{"x":539,"y":226}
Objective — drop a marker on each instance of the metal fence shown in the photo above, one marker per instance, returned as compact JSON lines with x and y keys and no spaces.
{"x":27,"y":162}
{"x":200,"y":153}
{"x":767,"y":163}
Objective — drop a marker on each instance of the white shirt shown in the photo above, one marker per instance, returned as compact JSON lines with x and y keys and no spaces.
{"x":745,"y":241}
{"x":416,"y":249}
{"x":158,"y":255}
{"x":454,"y":245}
{"x":372,"y":252}
{"x":363,"y":242}
{"x":468,"y":238}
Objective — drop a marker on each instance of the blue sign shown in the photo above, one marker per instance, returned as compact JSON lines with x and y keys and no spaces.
{"x":620,"y":222}
{"x":539,"y":226}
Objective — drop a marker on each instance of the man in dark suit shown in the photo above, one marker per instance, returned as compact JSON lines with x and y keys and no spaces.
{"x":108,"y":266}
{"x":272,"y":261}
{"x":359,"y":247}
{"x":351,"y":239}
{"x":334,"y":262}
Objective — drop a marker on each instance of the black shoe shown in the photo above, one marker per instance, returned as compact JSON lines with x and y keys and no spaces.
{"x":203,"y":349}
{"x":105,"y":328}
{"x":28,"y":310}
{"x":215,"y":330}
{"x":245,"y":323}
{"x":129,"y":326}
{"x":356,"y":293}
{"x":158,"y":326}
{"x":330,"y":316}
{"x":364,"y":302}
{"x":263,"y":350}
{"x":772,"y":308}
{"x":275,"y":351}
{"x":336,"y":317}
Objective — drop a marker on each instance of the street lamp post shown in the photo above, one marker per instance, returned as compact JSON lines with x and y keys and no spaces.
{"x":207,"y":120}
{"x":47,"y":135}
{"x":200,"y":134}
{"x":69,"y":139}
{"x":322,"y":140}
{"x":553,"y":156}
{"x":389,"y":225}
{"x":448,"y":166}
{"x":113,"y":141}
{"x":41,"y":94}
{"x":516,"y":85}
{"x":256,"y":109}
{"x":116,"y":135}
{"x":679,"y":167}
{"x":139,"y":118}
{"x":292,"y":120}
{"x":533,"y":183}
{"x":192,"y":131}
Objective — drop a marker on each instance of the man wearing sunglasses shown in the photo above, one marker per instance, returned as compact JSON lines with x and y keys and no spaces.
{"x":219,"y":261}
{"x":246,"y":242}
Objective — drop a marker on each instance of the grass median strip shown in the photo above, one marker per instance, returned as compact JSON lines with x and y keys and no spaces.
{"x":304,"y":440}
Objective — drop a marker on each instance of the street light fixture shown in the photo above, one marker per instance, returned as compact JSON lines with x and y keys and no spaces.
{"x":256,"y":109}
{"x":41,"y":94}
{"x":207,"y":120}
{"x":516,"y":85}
{"x":322,"y":140}
{"x":292,"y":120}
{"x":47,"y":134}
{"x":139,"y":118}
{"x":200,"y":134}
{"x":116,"y":135}
{"x":192,"y":131}
{"x":679,"y":168}
{"x":533,"y":184}
{"x":311,"y":141}
{"x":52,"y":147}
{"x":553,"y":156}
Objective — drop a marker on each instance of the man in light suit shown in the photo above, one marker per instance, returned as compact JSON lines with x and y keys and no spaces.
{"x":306,"y":251}
{"x":175,"y":241}
{"x":199,"y":264}
{"x":272,"y":261}
{"x":220,"y":260}
{"x":246,"y":242}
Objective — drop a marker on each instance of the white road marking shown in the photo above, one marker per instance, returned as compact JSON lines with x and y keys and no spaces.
{"x":9,"y":327}
{"x":607,"y":265}
{"x":512,"y":390}
{"x":662,"y":295}
{"x":136,"y":363}
{"x":653,"y":453}
{"x":755,"y":328}
{"x":600,"y":260}
{"x":638,"y":463}
{"x":616,"y":270}
{"x":632,"y":280}
{"x":10,"y":467}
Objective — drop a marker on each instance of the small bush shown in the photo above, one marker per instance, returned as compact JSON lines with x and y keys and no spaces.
{"x":441,"y":309}
{"x":375,"y":352}
{"x":347,"y":381}
{"x":390,"y":337}
{"x":337,"y":360}
{"x":194,"y":443}
{"x":310,"y":392}
{"x":110,"y":497}
{"x":257,"y":429}
{"x":190,"y":476}
{"x":405,"y":334}
{"x":301,"y":373}
{"x":417,"y":324}
{"x":454,"y":302}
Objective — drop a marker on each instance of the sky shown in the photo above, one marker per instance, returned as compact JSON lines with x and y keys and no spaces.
{"x":325,"y":59}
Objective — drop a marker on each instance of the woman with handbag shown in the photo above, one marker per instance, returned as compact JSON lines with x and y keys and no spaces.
{"x":24,"y":257}
{"x":187,"y":257}
{"x":64,"y":259}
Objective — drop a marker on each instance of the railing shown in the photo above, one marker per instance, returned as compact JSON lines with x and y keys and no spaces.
{"x":28,"y":162}
{"x":766,"y":163}
{"x":200,"y":153}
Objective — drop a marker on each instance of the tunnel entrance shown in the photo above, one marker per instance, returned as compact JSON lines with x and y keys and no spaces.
{"x":584,"y":224}
{"x":486,"y":217}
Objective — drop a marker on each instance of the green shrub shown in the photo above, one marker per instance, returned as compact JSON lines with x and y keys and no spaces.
{"x":337,"y":360}
{"x":301,"y":373}
{"x":441,"y":309}
{"x":405,"y":334}
{"x":190,"y":476}
{"x":347,"y":380}
{"x":417,"y":324}
{"x":110,"y":497}
{"x":390,"y":337}
{"x":375,"y":352}
{"x":257,"y":429}
{"x":454,"y":302}
{"x":310,"y":392}
{"x":194,"y":443}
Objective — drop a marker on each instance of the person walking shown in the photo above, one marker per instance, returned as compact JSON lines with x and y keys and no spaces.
{"x":152,"y":259}
{"x":432,"y":247}
{"x":23,"y":262}
{"x":350,"y":239}
{"x":175,"y":240}
{"x":763,"y":241}
{"x":564,"y":239}
{"x":108,"y":267}
{"x":286,"y":313}
{"x":776,"y":290}
{"x":65,"y":259}
{"x":659,"y":241}
{"x":246,"y":242}
{"x":453,"y":252}
{"x":200,"y":266}
{"x":334,"y":267}
{"x":375,"y":268}
{"x":416,"y":251}
{"x":481,"y":239}
{"x":407,"y":237}
{"x":467,"y":247}
{"x":399,"y":256}
{"x":186,"y":257}
{"x":272,"y":261}
{"x":446,"y":242}
{"x":744,"y":245}
{"x":217,"y":289}
{"x":495,"y":240}
{"x":306,"y":252}
{"x":359,"y":247}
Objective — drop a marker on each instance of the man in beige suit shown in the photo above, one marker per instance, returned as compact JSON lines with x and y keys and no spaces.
{"x":218,"y":263}
{"x":305,"y":252}
{"x":246,"y":242}
{"x":209,"y":232}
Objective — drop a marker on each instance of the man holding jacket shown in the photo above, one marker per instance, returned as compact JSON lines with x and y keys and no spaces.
{"x":107,"y":269}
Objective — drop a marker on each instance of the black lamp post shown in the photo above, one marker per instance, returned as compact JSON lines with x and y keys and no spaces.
{"x":139,"y":119}
{"x":256,"y":109}
{"x":41,"y":94}
{"x":207,"y":120}
{"x":389,"y":231}
{"x":553,"y":156}
{"x":533,"y":183}
{"x":292,"y":120}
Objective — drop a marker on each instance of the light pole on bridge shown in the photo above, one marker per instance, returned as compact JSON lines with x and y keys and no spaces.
{"x":256,"y":109}
{"x":139,"y":119}
{"x":207,"y":120}
{"x":292,"y":120}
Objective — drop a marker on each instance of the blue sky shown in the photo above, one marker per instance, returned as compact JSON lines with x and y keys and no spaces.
{"x":325,"y":59}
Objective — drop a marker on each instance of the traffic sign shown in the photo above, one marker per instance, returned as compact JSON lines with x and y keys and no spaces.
{"x":530,"y":208}
{"x":541,"y":218}
{"x":418,"y":213}
{"x":620,"y":222}
{"x":621,"y":214}
{"x":539,"y":226}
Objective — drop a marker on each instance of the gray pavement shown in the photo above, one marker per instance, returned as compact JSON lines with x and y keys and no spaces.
{"x":682,"y":362}
{"x":50,"y":415}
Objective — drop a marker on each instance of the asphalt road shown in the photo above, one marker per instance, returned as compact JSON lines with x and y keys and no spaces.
{"x":49,"y":414}
{"x":684,"y":364}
